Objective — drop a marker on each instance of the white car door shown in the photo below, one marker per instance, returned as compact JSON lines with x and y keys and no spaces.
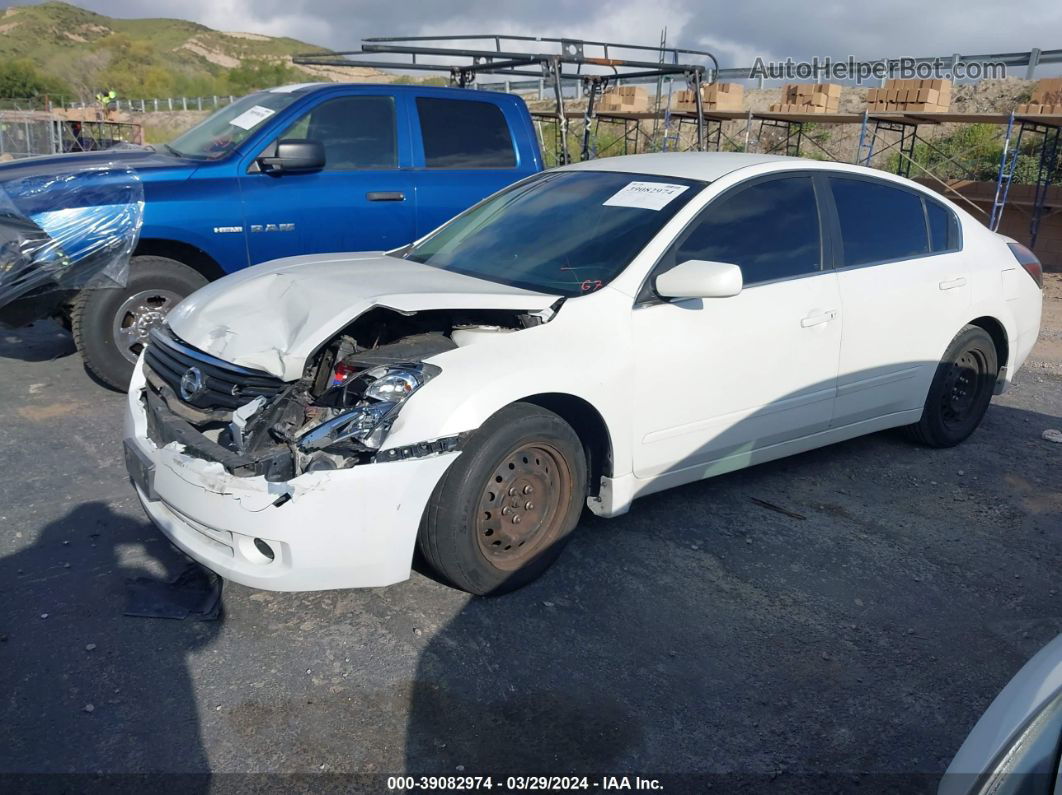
{"x":904,"y":293}
{"x":717,"y":379}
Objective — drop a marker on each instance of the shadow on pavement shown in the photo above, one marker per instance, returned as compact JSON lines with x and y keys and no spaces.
{"x":42,"y":341}
{"x":709,"y":641}
{"x":116,"y":699}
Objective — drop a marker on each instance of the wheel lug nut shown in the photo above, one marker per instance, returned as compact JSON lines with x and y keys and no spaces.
{"x":528,"y":506}
{"x":528,"y":489}
{"x":516,"y":519}
{"x":512,"y":492}
{"x":506,"y":510}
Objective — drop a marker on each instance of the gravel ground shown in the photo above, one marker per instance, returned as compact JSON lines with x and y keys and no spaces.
{"x":702,"y":638}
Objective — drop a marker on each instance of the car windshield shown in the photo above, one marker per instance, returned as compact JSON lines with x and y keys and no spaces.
{"x":221,"y":132}
{"x":562,"y":232}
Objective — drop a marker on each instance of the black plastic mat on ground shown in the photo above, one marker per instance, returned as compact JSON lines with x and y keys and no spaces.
{"x":195,"y":594}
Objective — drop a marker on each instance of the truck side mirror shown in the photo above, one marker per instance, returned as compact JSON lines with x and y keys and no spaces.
{"x":293,"y":156}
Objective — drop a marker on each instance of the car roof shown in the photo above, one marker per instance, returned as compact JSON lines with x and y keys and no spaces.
{"x":707,"y":166}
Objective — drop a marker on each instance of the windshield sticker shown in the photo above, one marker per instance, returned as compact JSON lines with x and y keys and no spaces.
{"x":250,"y":119}
{"x":645,"y":195}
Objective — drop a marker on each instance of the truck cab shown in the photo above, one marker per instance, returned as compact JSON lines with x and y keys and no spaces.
{"x":298,"y":169}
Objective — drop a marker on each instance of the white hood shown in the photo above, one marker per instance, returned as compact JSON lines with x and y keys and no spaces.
{"x":272,"y":316}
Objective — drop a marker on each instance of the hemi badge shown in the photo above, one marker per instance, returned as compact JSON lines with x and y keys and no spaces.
{"x":219,"y":230}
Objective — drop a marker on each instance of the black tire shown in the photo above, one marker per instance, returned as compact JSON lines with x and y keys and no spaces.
{"x":961,"y":390}
{"x":105,"y":325}
{"x":474,"y":541}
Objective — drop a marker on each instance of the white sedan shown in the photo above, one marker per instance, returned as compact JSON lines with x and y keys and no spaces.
{"x":586,"y":336}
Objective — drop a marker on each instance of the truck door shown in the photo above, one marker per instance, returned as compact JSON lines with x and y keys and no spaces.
{"x":465,"y":152}
{"x":362,"y":200}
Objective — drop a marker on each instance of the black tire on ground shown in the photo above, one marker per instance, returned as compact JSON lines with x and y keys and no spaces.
{"x":111,"y":323}
{"x":505,"y":508}
{"x":961,"y":390}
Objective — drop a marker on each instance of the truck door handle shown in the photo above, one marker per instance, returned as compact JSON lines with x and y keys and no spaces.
{"x":385,"y":196}
{"x":819,"y":319}
{"x":951,"y":284}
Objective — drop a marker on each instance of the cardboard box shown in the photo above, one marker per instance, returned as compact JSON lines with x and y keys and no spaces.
{"x":624,"y":99}
{"x":714,"y":96}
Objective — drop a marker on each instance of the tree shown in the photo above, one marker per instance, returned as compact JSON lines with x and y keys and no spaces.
{"x":19,"y":79}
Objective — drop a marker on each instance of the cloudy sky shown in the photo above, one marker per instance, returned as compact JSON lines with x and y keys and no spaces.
{"x":737,"y":32}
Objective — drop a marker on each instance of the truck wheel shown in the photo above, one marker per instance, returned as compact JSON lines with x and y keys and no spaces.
{"x":111,"y":324}
{"x":961,"y":390}
{"x":506,"y":507}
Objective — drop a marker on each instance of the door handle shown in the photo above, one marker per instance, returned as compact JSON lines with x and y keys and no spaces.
{"x":819,"y":319}
{"x":951,"y":284}
{"x":385,"y":196}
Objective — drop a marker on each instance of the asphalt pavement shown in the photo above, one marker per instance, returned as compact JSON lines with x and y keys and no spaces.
{"x":830,"y":622}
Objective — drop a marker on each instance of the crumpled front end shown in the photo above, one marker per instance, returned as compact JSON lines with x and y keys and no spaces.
{"x":290,"y":485}
{"x":346,"y":528}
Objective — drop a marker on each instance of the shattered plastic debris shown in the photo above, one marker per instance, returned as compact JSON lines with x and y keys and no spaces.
{"x":195,"y":593}
{"x":63,"y":232}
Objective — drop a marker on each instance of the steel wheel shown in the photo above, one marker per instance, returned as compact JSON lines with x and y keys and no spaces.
{"x":137,"y":315}
{"x":523,"y":506}
{"x":964,"y":385}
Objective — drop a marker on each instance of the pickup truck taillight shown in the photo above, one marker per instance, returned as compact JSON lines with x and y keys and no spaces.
{"x":1029,"y":261}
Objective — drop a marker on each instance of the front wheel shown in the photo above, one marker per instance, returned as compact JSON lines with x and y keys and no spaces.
{"x":961,"y":390}
{"x":111,"y":324}
{"x":506,"y":507}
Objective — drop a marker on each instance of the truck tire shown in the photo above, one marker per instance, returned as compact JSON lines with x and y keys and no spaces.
{"x":111,"y":324}
{"x":505,"y":508}
{"x":961,"y":390}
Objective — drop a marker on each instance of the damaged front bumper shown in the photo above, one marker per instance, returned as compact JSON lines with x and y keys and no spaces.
{"x":343,"y":528}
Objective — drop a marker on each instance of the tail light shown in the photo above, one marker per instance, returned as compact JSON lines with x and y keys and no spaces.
{"x":1028,"y":261}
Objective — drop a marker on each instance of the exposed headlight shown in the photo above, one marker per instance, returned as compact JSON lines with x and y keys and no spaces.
{"x":368,"y":405}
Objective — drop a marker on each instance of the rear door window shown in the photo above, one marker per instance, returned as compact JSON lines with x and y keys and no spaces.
{"x":464,"y":134}
{"x":879,"y":222}
{"x":770,"y":229}
{"x":943,"y":227}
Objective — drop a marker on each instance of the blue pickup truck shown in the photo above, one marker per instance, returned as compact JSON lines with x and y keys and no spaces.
{"x":293,"y":170}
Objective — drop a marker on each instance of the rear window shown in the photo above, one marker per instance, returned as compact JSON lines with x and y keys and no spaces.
{"x":464,"y":134}
{"x":878,"y":222}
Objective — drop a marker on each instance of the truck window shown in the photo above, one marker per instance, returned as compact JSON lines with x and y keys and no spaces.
{"x":357,"y":132}
{"x":464,"y":134}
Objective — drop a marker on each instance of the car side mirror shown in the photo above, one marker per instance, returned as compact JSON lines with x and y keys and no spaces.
{"x":293,"y":156}
{"x":698,"y":278}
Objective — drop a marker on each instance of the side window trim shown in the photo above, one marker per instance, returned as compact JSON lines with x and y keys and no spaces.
{"x":647,"y":294}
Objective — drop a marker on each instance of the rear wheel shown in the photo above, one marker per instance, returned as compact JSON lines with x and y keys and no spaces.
{"x":961,"y":390}
{"x":111,"y":325}
{"x":503,"y":512}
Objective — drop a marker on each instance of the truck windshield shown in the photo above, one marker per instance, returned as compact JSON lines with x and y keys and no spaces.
{"x":221,"y":132}
{"x":563,"y":232}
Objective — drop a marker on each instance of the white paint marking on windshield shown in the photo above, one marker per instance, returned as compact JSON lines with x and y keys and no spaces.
{"x":645,"y":195}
